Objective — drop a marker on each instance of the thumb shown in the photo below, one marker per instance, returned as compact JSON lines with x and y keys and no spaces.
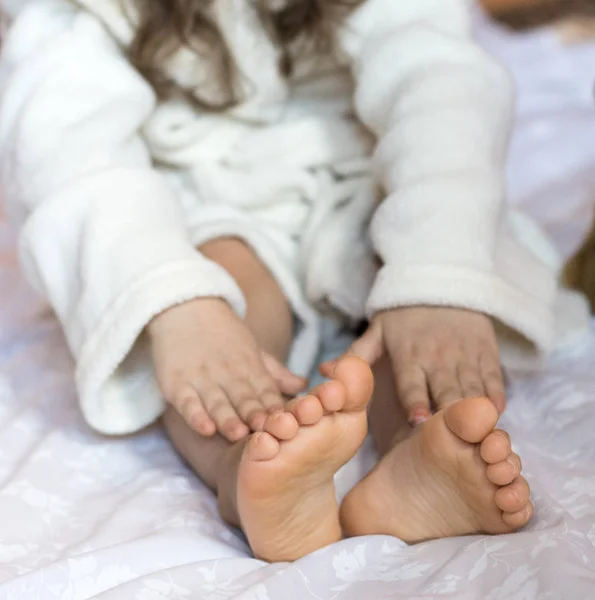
{"x":289,"y":383}
{"x":369,"y":347}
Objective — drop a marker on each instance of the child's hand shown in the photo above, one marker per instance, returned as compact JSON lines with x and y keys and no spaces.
{"x":211,"y":370}
{"x":438,"y":356}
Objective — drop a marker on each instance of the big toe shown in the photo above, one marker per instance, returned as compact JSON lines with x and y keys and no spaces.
{"x":471,"y":419}
{"x":355,"y":374}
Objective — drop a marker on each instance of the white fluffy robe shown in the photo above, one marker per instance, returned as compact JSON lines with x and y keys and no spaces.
{"x":105,"y":236}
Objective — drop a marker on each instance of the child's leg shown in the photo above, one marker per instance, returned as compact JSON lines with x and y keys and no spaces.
{"x":454,"y":475}
{"x":278,"y":485}
{"x":265,"y":302}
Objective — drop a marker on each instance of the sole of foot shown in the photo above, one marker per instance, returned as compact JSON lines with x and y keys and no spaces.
{"x":456,"y":475}
{"x":285,"y":490}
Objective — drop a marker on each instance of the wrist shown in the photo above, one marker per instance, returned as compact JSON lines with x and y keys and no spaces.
{"x":179,"y":314}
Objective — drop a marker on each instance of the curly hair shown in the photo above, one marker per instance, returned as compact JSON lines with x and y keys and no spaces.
{"x":166,"y":25}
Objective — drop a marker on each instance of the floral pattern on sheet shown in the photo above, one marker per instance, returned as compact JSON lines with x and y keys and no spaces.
{"x":83,"y":517}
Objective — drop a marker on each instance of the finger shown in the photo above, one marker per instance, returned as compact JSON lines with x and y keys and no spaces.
{"x":190,"y":407}
{"x":287,"y":382}
{"x":268,"y":393}
{"x":470,"y":381}
{"x":412,"y":392}
{"x":221,"y":410}
{"x":246,"y":403}
{"x":444,"y":386}
{"x":271,"y":400}
{"x":493,"y":381}
{"x":327,"y":367}
{"x":369,"y":347}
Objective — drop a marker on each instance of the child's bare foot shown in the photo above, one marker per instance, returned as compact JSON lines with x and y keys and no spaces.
{"x":456,"y":475}
{"x":285,"y":490}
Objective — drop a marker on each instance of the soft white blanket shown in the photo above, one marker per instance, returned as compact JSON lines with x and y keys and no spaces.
{"x":85,"y":517}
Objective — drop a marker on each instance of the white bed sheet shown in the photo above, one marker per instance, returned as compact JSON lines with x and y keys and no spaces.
{"x":85,"y":517}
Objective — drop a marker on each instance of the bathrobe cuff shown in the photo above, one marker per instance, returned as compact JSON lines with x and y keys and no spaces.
{"x":114,"y":375}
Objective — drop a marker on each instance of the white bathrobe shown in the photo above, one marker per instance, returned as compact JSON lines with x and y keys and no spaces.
{"x":397,"y":147}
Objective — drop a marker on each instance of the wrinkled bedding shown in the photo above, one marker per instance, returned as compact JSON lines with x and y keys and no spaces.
{"x":85,"y":517}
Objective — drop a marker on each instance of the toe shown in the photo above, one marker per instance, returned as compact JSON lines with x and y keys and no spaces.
{"x":306,"y":409}
{"x":331,"y":394}
{"x":504,"y":472}
{"x":471,"y":419}
{"x":282,"y":425}
{"x":261,"y":446}
{"x":496,"y":447}
{"x":513,"y":498}
{"x":355,"y":374}
{"x":519,"y":518}
{"x":257,"y":420}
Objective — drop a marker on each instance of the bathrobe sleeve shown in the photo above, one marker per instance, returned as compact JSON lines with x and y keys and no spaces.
{"x":442,"y":109}
{"x":101,"y":234}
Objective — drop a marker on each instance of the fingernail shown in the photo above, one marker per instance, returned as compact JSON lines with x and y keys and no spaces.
{"x":419,"y":416}
{"x":329,"y":365}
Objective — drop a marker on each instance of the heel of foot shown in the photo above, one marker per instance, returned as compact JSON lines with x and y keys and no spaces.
{"x":357,"y":514}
